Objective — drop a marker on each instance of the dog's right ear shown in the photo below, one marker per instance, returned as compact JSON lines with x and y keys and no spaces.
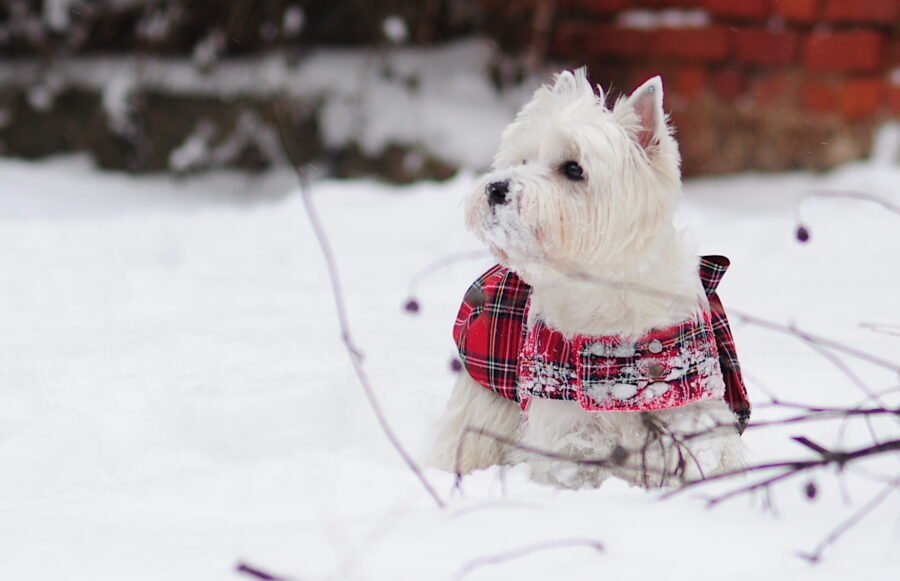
{"x":646,"y":102}
{"x":565,"y":83}
{"x":573,"y":83}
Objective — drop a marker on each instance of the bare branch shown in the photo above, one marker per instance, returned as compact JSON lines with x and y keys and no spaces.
{"x":846,"y":194}
{"x":525,"y":551}
{"x":790,"y":468}
{"x":258,"y":573}
{"x":355,"y":356}
{"x":883,"y":328}
{"x":811,"y":445}
{"x":809,"y":338}
{"x":617,"y":458}
{"x":838,"y":363}
{"x":440,"y":263}
{"x":845,"y":526}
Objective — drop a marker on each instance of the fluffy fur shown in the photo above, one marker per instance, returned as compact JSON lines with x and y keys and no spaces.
{"x":562,"y":236}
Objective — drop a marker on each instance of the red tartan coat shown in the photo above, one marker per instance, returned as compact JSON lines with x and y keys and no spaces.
{"x":493,"y":341}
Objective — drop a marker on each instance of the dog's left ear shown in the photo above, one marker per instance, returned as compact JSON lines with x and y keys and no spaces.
{"x":646,"y":101}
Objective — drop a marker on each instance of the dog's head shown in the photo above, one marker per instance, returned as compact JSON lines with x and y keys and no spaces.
{"x":577,"y":183}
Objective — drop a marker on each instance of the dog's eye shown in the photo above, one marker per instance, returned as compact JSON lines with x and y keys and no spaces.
{"x":572,"y":171}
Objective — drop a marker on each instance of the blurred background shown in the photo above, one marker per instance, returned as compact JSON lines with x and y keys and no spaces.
{"x":411,"y":89}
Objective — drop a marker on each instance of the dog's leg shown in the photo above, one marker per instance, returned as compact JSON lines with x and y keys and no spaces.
{"x":650,"y":449}
{"x":706,"y":431}
{"x":686,"y":443}
{"x":472,"y":405}
{"x":565,"y":429}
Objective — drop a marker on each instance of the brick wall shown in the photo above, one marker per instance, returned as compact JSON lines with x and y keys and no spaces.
{"x":752,"y":84}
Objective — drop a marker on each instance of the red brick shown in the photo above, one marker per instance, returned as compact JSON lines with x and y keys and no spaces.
{"x":893,"y":99}
{"x":707,"y":44}
{"x":844,"y":51}
{"x":771,"y":87}
{"x":667,"y":3}
{"x":591,"y":6}
{"x":758,"y":45}
{"x":819,"y":96}
{"x":875,"y":11}
{"x":566,"y":40}
{"x":690,"y":82}
{"x":606,"y":40}
{"x":803,"y":11}
{"x":642,"y":73}
{"x":612,"y":77}
{"x":496,"y":5}
{"x":860,"y":97}
{"x":740,"y":9}
{"x":729,"y":83}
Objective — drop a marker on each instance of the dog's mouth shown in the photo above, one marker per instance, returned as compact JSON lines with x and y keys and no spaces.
{"x":505,"y":227}
{"x":510,"y":239}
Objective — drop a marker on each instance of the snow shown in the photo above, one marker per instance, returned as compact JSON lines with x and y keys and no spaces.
{"x":395,"y":29}
{"x":156,"y":24}
{"x":886,"y":146}
{"x":175,"y":397}
{"x":194,"y":151}
{"x":117,"y":96}
{"x":293,"y":21}
{"x":440,"y":99}
{"x":56,"y":13}
{"x":208,"y":49}
{"x":653,"y":19}
{"x":623,"y":391}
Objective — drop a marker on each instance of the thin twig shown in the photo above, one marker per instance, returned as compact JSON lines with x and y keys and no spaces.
{"x":883,"y":328}
{"x":355,"y":356}
{"x":847,"y":194}
{"x":614,"y":460}
{"x":764,"y":484}
{"x":823,"y":415}
{"x":845,"y":526}
{"x":524,"y":552}
{"x":839,"y":364}
{"x":808,"y":337}
{"x":443,"y":262}
{"x":258,"y":573}
{"x":792,"y":467}
{"x":792,"y":330}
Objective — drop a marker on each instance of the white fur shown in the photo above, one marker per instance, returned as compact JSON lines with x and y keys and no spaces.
{"x":603,"y":258}
{"x":473,"y":405}
{"x":655,"y":450}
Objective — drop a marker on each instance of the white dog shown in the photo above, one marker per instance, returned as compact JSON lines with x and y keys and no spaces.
{"x":614,"y":370}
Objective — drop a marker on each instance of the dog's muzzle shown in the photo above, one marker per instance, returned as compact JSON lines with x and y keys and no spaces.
{"x":497,"y":192}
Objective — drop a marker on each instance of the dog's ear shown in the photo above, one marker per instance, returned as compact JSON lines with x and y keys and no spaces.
{"x":646,"y":102}
{"x":573,"y":83}
{"x":565,"y":83}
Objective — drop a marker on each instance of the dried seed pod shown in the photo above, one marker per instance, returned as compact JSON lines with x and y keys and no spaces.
{"x":810,"y":490}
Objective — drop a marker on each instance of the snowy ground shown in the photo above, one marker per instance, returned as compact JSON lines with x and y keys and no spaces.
{"x":174,"y":396}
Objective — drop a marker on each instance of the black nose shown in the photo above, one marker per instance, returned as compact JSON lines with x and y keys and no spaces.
{"x":496,"y":192}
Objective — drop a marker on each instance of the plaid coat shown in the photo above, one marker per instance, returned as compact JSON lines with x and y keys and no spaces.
{"x":499,"y":352}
